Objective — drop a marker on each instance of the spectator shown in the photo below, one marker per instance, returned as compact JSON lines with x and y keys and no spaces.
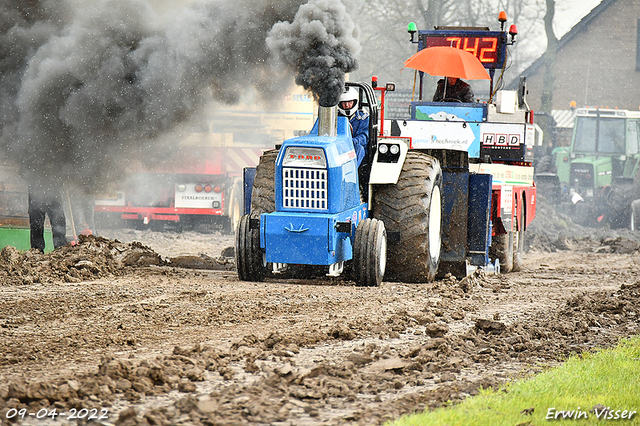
{"x":45,"y":199}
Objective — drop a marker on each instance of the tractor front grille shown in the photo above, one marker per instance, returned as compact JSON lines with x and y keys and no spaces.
{"x":304,"y":189}
{"x":582,"y":176}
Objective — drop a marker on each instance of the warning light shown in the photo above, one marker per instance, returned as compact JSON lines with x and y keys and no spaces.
{"x":411,"y":29}
{"x":513,"y":31}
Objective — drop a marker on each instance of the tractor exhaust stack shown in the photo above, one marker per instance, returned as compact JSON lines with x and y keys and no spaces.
{"x":327,"y":121}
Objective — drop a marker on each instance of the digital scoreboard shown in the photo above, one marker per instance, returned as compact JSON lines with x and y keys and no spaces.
{"x":488,"y":46}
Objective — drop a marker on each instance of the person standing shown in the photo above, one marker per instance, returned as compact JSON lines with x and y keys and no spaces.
{"x":45,"y":199}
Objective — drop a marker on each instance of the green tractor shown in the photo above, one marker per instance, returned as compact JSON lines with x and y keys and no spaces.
{"x":598,"y":175}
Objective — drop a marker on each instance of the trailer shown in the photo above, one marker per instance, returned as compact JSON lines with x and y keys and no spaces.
{"x":446,"y":191}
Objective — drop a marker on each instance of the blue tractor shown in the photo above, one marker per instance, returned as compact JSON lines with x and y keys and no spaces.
{"x":307,"y":207}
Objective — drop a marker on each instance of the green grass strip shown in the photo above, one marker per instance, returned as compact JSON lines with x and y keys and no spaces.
{"x":560,"y":396}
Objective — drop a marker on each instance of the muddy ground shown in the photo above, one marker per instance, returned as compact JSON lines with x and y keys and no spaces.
{"x":154,"y":328}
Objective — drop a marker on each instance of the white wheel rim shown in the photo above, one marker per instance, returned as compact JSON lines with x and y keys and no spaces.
{"x":235,"y":217}
{"x":383,"y":257}
{"x":435,"y":220}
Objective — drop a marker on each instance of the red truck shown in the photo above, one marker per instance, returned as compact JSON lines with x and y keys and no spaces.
{"x":201,"y":185}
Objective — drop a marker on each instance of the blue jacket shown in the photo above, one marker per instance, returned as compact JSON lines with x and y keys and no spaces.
{"x":360,"y":133}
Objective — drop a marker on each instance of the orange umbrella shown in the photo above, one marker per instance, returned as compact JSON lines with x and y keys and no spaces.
{"x":448,"y":62}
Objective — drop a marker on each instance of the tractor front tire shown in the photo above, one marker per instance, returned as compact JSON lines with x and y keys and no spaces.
{"x":249,"y":256}
{"x":370,"y":253}
{"x":502,"y":249}
{"x":263,"y":200}
{"x":412,"y":211}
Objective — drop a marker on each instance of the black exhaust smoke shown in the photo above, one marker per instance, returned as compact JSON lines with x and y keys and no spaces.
{"x":320,"y":45}
{"x":85,"y":86}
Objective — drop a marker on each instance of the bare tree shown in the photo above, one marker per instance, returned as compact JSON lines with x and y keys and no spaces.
{"x":435,"y":12}
{"x":549,"y":58}
{"x":527,"y":15}
{"x":546,"y":98}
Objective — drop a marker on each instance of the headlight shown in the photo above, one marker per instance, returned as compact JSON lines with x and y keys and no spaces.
{"x":383,"y":149}
{"x":394,"y":149}
{"x":181,"y":187}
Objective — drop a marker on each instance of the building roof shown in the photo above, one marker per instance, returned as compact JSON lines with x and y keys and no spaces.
{"x":563,"y":117}
{"x":584,"y":22}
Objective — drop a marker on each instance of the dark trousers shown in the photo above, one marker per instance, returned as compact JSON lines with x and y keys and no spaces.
{"x":46,"y":204}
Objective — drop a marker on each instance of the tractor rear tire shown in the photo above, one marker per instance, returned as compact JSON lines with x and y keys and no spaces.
{"x":263,"y":195}
{"x":502,"y":249}
{"x":518,"y":243}
{"x":634,"y":222}
{"x":370,"y":253}
{"x":585,"y":214}
{"x":249,"y":256}
{"x":548,"y":187}
{"x":412,"y":210}
{"x":518,"y":251}
{"x":263,"y":198}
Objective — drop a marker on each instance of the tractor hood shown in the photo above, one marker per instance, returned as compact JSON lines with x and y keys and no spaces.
{"x":591,"y":172}
{"x":318,"y":172}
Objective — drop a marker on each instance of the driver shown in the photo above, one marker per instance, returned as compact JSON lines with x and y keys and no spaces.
{"x":456,"y":90}
{"x":359,"y":121}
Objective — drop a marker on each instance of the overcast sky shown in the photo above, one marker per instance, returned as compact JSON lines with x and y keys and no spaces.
{"x":570,"y":12}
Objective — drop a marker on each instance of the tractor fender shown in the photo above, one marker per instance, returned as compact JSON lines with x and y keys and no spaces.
{"x":386,"y":168}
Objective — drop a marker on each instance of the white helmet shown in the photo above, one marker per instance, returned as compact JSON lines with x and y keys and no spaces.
{"x":349,"y":94}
